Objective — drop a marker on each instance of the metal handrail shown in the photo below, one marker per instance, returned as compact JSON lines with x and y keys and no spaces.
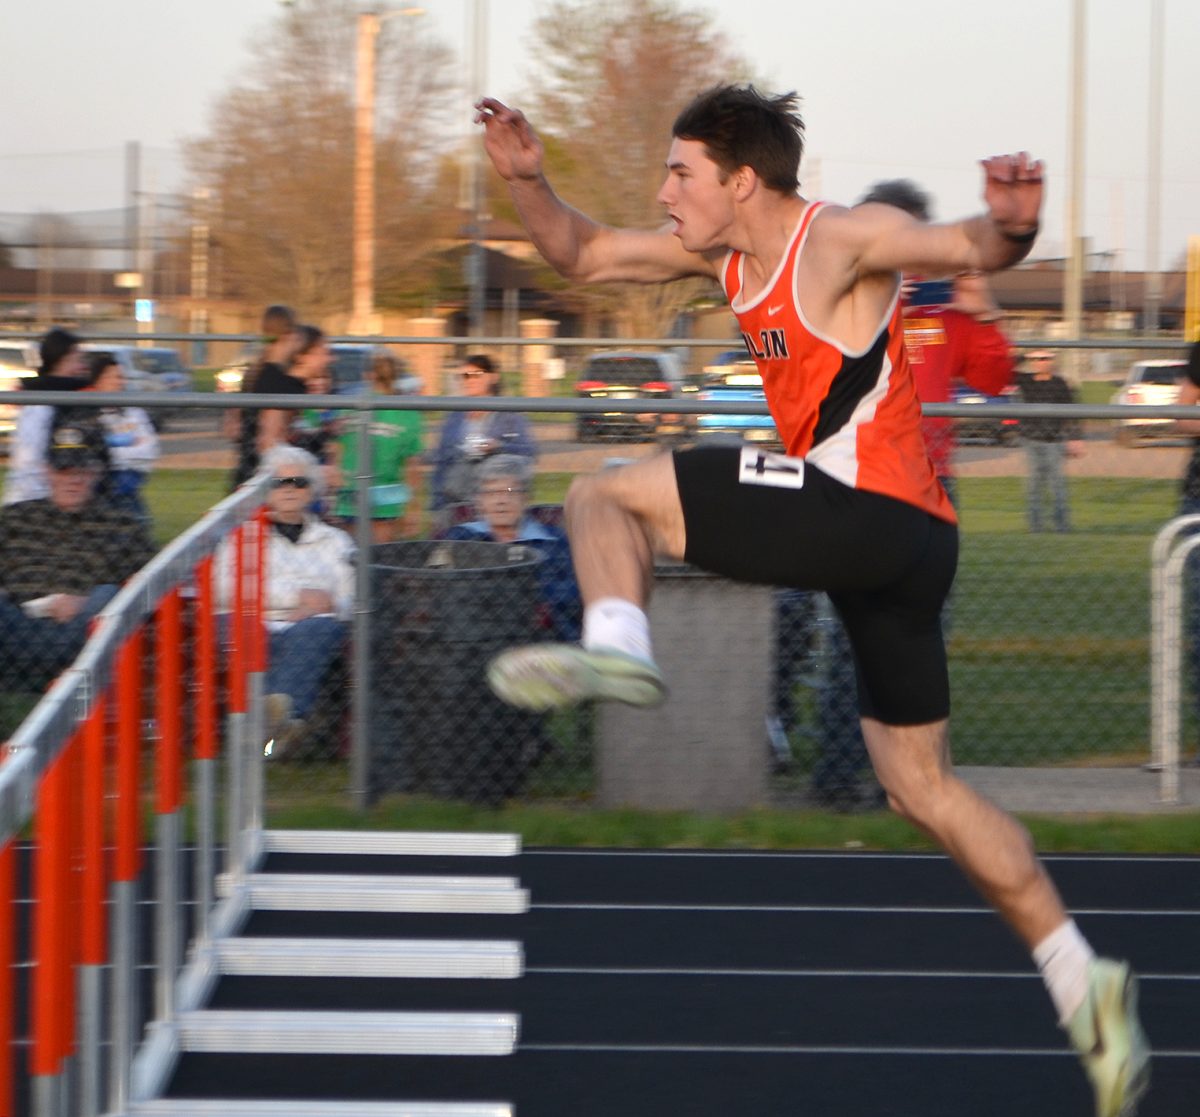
{"x":687,"y":404}
{"x":68,"y":724}
{"x":1168,"y":558}
{"x":1134,"y":344}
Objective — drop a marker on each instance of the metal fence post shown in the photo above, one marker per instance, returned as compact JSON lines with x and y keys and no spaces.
{"x":360,"y":756}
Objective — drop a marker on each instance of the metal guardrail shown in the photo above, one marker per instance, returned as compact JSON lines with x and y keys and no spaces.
{"x":1133,"y":344}
{"x":59,"y":752}
{"x":680,"y":405}
{"x":1169,"y":556}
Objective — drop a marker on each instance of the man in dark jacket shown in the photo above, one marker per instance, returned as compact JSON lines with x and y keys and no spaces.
{"x":62,"y":559}
{"x":1048,"y":442}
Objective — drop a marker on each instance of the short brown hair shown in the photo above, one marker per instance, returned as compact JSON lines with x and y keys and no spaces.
{"x":741,"y":127}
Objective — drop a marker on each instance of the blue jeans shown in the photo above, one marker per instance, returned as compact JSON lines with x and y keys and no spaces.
{"x":299,"y":657}
{"x":33,"y":650}
{"x":1047,"y":480}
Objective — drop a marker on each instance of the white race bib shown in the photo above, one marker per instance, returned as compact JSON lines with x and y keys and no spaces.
{"x":762,"y":467}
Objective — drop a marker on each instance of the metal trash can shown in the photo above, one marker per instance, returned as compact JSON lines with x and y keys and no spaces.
{"x":443,"y":609}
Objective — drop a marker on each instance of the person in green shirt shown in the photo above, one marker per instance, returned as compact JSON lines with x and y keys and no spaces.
{"x":396,"y":446}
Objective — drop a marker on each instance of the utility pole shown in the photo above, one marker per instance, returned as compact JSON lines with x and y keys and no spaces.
{"x":1073,"y":277}
{"x":477,"y":258}
{"x":362,"y":313}
{"x":1154,"y":170}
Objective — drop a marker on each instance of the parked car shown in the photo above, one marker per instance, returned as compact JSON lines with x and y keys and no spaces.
{"x":151,"y":369}
{"x":18,"y":360}
{"x":622,"y":376}
{"x":349,"y":370}
{"x":986,"y":426}
{"x":230,"y":377}
{"x":735,"y":380}
{"x":1150,"y":384}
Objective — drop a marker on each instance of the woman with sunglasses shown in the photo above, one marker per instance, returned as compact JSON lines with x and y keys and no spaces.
{"x":467,"y":437}
{"x":309,"y":592}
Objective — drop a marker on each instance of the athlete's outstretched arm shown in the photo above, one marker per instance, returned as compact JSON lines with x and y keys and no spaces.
{"x":572,"y":243}
{"x":881,"y":238}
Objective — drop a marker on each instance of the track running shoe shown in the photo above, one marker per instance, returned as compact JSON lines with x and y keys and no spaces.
{"x":1110,"y":1041}
{"x":550,"y":676}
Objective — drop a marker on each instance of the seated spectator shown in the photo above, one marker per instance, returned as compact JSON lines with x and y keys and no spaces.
{"x":130,"y":436}
{"x":62,"y":559}
{"x":501,"y":497}
{"x":62,"y":370}
{"x":468,"y":437}
{"x":309,"y":592}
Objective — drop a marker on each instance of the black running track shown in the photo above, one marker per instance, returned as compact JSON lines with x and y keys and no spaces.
{"x":748,"y":985}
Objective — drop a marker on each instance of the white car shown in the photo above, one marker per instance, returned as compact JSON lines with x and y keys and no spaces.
{"x":18,"y":361}
{"x":1148,"y":384}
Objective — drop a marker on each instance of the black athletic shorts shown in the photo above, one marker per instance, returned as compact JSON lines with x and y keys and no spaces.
{"x":886,"y":565}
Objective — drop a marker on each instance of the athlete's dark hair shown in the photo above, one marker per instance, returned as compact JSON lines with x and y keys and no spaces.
{"x":741,"y":127}
{"x":902,"y":193}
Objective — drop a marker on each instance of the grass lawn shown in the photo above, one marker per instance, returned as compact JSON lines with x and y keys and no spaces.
{"x":177,"y":498}
{"x":1049,"y":664}
{"x":305,"y":799}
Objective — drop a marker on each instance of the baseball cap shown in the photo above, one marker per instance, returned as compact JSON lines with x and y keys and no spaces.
{"x":70,"y":449}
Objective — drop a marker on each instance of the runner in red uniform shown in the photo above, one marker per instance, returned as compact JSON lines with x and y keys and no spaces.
{"x":854,"y":509}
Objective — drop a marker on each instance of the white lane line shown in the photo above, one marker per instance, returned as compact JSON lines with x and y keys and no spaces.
{"x":919,"y":975}
{"x":822,"y":1049}
{"x":853,"y":909}
{"x":849,"y":855}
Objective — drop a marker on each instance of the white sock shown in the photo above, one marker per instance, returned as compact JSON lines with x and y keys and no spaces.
{"x":615,"y":623}
{"x":1063,"y":957}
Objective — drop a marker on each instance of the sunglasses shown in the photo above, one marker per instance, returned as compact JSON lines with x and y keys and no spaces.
{"x":295,"y":482}
{"x":472,"y":373}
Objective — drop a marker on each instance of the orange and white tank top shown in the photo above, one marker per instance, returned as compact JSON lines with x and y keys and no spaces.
{"x":854,"y":414}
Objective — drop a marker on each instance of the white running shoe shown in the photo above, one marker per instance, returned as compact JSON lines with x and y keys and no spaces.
{"x":550,"y":676}
{"x":1110,"y":1041}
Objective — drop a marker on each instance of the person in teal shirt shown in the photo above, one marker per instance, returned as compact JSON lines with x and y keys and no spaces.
{"x":397,"y":440}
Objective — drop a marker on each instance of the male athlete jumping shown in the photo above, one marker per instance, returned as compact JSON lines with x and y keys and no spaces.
{"x":854,"y":508}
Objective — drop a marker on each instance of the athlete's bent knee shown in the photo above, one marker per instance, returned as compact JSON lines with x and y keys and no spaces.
{"x":918,"y":795}
{"x":584,"y":491}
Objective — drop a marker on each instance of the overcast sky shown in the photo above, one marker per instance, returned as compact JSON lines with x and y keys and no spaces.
{"x":921,"y":90}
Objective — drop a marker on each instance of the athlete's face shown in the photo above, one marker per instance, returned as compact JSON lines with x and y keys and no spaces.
{"x":698,"y":203}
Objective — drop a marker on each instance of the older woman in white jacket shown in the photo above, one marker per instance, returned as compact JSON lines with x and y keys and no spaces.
{"x":309,"y":574}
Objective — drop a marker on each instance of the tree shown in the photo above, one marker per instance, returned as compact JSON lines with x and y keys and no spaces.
{"x":278,"y":159}
{"x":612,"y":75}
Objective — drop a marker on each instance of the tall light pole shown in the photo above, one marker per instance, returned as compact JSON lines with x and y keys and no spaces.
{"x":362,"y":312}
{"x":1073,"y":276}
{"x":363,"y":319}
{"x":477,"y":254}
{"x":1154,"y":169}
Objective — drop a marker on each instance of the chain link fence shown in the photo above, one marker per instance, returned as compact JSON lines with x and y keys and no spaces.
{"x":379,"y":641}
